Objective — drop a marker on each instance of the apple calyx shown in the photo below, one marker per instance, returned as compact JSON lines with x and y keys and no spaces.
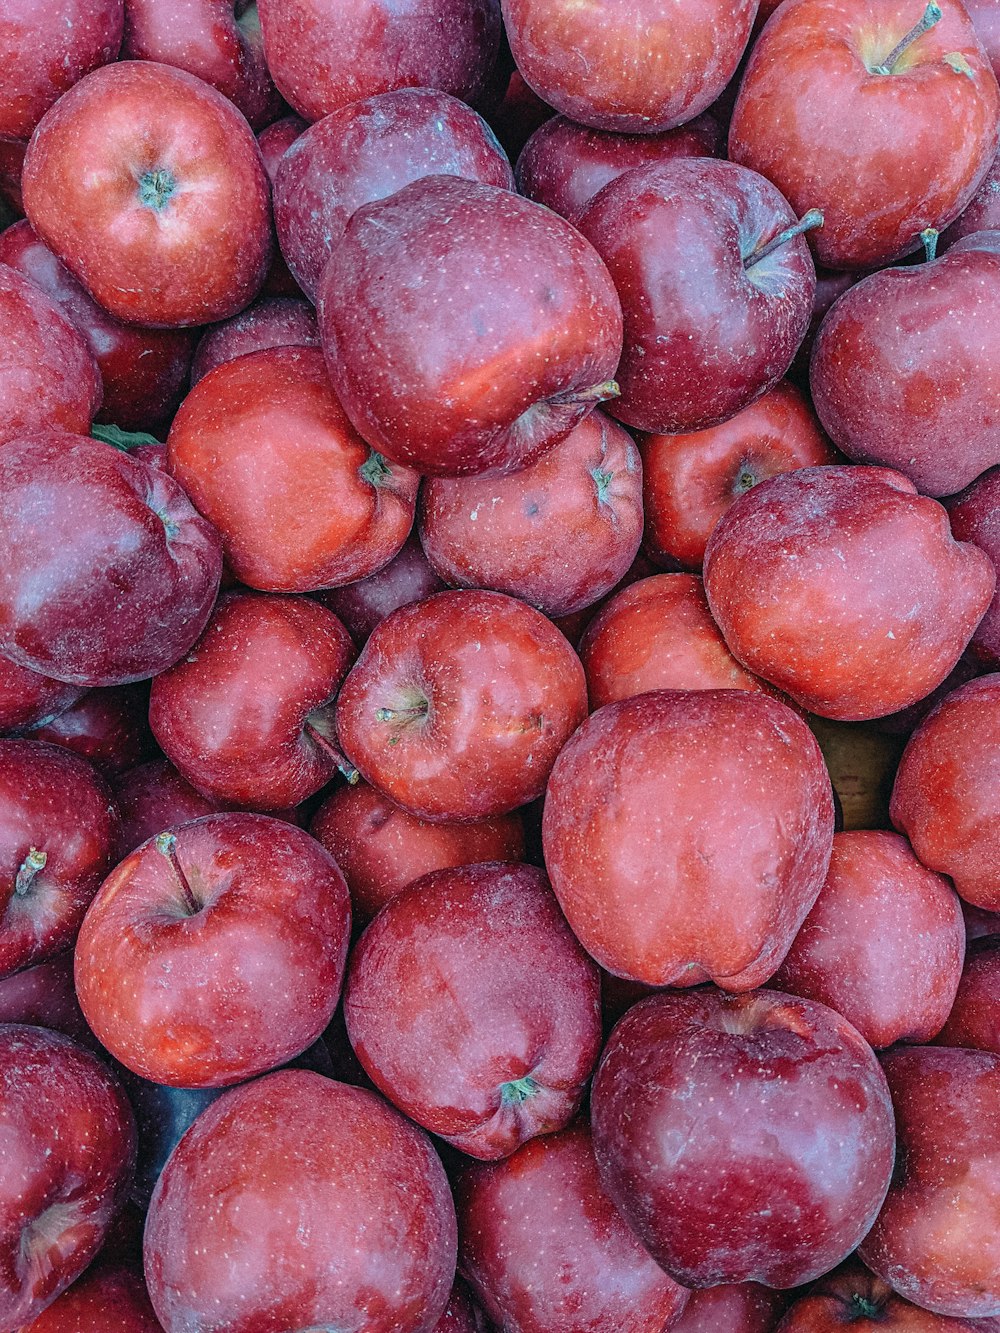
{"x":929,"y":236}
{"x":166,"y":845}
{"x":861,"y":1307}
{"x":375,"y":470}
{"x":932,"y":15}
{"x":812,"y":219}
{"x":156,"y":188}
{"x":517,"y":1090}
{"x":320,"y":739}
{"x":745,"y":481}
{"x":27,"y":871}
{"x":602,"y":480}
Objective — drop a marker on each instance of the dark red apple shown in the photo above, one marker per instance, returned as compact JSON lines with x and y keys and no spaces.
{"x":296,"y":1202}
{"x":152,"y":798}
{"x":687,"y":834}
{"x":27,"y":698}
{"x":740,"y":1307}
{"x":68,"y":1154}
{"x":716,"y":284}
{"x":975,"y":517}
{"x":743,"y":1137}
{"x":44,"y":996}
{"x":852,"y":1297}
{"x":110,"y":728}
{"x":105,"y":1300}
{"x":466,"y":329}
{"x":260,"y":444}
{"x":983,"y":213}
{"x":149,"y":186}
{"x":458,"y":705}
{"x":461,"y":1315}
{"x":979,"y":923}
{"x":974,"y":1020}
{"x":272,"y":321}
{"x":546,"y":1251}
{"x":108,"y":572}
{"x":408,"y":577}
{"x":559,"y":533}
{"x":275,"y":141}
{"x":885,"y":116}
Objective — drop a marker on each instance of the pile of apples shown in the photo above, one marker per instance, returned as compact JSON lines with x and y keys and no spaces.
{"x":499,"y":666}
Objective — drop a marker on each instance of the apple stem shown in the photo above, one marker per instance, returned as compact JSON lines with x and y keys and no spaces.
{"x":932,"y":15}
{"x":344,"y":765}
{"x":597,"y":393}
{"x":125,"y":440}
{"x":863,"y":1308}
{"x":166,"y":845}
{"x":401,"y":714}
{"x":929,"y":236}
{"x":375,"y":470}
{"x":814,"y":218}
{"x":29,"y":868}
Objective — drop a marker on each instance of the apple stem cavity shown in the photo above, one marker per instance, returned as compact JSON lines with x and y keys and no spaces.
{"x":929,"y":236}
{"x":28,"y":869}
{"x":166,"y":845}
{"x":344,"y":765}
{"x":932,"y":15}
{"x":156,"y":188}
{"x":518,"y":1090}
{"x":812,"y":219}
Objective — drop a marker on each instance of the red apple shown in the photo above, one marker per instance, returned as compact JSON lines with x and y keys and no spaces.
{"x":149,"y":186}
{"x":272,"y":321}
{"x":215,"y":952}
{"x":458,"y":705}
{"x":740,"y":1307}
{"x":744,"y":1138}
{"x":296,"y":1202}
{"x":275,"y":141}
{"x":546,"y":1251}
{"x":985,"y":15}
{"x":259,"y":444}
{"x":466,"y":329}
{"x":460,"y":1315}
{"x":979,"y":923}
{"x":110,"y":728}
{"x":152,"y":798}
{"x":884,"y":116}
{"x":974,"y":1020}
{"x":408,"y":577}
{"x":105,"y":1300}
{"x":975,"y":517}
{"x":982,"y":214}
{"x":852,"y":1297}
{"x":635,"y":67}
{"x":69,"y":1153}
{"x":473,"y":1008}
{"x":716,"y":285}
{"x":687,"y":834}
{"x":559,"y":533}
{"x":27,"y":698}
{"x":44,"y":996}
{"x":690,"y":480}
{"x":845,"y":589}
{"x":366,"y":151}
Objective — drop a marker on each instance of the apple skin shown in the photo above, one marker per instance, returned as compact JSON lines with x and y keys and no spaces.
{"x":69,"y":1154}
{"x":658,"y":634}
{"x":691,"y":479}
{"x":149,"y":186}
{"x":473,"y":1008}
{"x":48,"y":375}
{"x":247,"y":716}
{"x":945,"y":795}
{"x":272,"y":321}
{"x":28,"y":698}
{"x":564,"y":164}
{"x":466,"y":329}
{"x":254,"y":942}
{"x":366,"y":151}
{"x":461,"y":1315}
{"x":705,"y":337}
{"x":947,"y":1105}
{"x":743,"y":1138}
{"x":975,"y":517}
{"x":883,"y":944}
{"x":109,"y":728}
{"x":739,"y":1307}
{"x":635,"y":68}
{"x":845,"y":589}
{"x":44,"y":996}
{"x":105,"y":1300}
{"x":546,"y":1251}
{"x":852,"y":1297}
{"x":979,"y":923}
{"x":715,"y":886}
{"x":152,"y":798}
{"x":126,"y":578}
{"x":904,"y":371}
{"x":382,"y":849}
{"x":259,"y":436}
{"x":560,"y":533}
{"x":458,"y":705}
{"x":216,"y":40}
{"x":982,"y":214}
{"x":986,"y":20}
{"x":974,"y":1020}
{"x":883,"y":156}
{"x":408,"y":577}
{"x":353,"y":1222}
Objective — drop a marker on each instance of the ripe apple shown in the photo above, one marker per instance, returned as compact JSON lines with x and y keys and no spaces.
{"x":853,"y":1297}
{"x":738,"y":1307}
{"x":271,"y":321}
{"x":44,"y":996}
{"x":975,"y":517}
{"x":107,"y":1299}
{"x":982,"y":214}
{"x":974,"y":1020}
{"x":408,"y":577}
{"x":110,"y":728}
{"x":28,"y":698}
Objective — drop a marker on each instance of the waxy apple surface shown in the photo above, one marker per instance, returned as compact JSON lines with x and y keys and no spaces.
{"x":974,"y":1020}
{"x":408,"y":577}
{"x":272,"y":321}
{"x":974,"y":515}
{"x":108,"y":728}
{"x":106,"y":1299}
{"x":738,"y":1307}
{"x":853,"y":1297}
{"x":27,"y":698}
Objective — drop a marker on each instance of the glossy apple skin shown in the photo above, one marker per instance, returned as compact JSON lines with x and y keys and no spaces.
{"x":975,"y":517}
{"x":258,"y":444}
{"x":144,"y":371}
{"x":658,"y":634}
{"x":982,"y":214}
{"x":48,"y":375}
{"x":945,"y":798}
{"x":564,"y":164}
{"x":247,"y":717}
{"x":55,"y":805}
{"x":104,"y":1300}
{"x":127,"y":575}
{"x":109,"y":728}
{"x":560,"y":533}
{"x":199,"y":249}
{"x":460,"y":1315}
{"x":744,"y":1138}
{"x":27,"y":698}
{"x":493,"y":692}
{"x":382,"y":849}
{"x":718,"y":883}
{"x":45,"y":47}
{"x":546,"y":1251}
{"x":464,"y":327}
{"x":473,"y":1008}
{"x":861,"y":601}
{"x":884,"y":943}
{"x":408,"y":577}
{"x":855,"y":1298}
{"x":152,"y":798}
{"x":446,"y":44}
{"x":911,"y":346}
{"x":979,"y":922}
{"x":740,"y":1307}
{"x":947,"y":1105}
{"x":974,"y":1020}
{"x":636,"y":68}
{"x":704,"y":338}
{"x":69,"y":1153}
{"x":883,"y":156}
{"x":353,"y":1222}
{"x":44,"y":996}
{"x":272,"y":321}
{"x":216,"y":40}
{"x":691,"y":479}
{"x":366,"y":151}
{"x":255,"y":952}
